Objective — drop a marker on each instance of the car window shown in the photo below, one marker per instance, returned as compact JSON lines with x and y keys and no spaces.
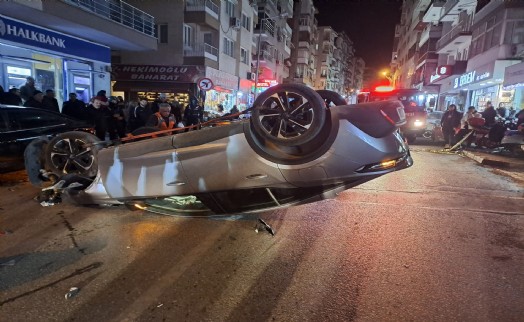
{"x":21,"y":119}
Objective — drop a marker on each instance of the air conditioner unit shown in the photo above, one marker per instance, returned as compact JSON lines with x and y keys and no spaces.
{"x":251,"y":76}
{"x":235,"y":22}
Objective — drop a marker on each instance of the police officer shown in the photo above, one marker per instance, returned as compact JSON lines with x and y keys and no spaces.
{"x":194,"y":113}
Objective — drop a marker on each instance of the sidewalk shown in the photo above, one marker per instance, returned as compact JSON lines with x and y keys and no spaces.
{"x":503,"y":164}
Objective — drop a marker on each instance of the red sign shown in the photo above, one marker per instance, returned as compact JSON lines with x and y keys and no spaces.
{"x":445,"y":70}
{"x":157,"y":73}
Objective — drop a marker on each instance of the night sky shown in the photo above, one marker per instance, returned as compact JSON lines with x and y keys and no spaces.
{"x":369,"y":23}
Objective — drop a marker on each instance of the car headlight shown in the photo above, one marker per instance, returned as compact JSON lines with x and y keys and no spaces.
{"x":418,"y":123}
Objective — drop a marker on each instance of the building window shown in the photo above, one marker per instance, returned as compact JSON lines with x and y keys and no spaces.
{"x":161,"y":33}
{"x":230,"y":8}
{"x":188,"y":31}
{"x":228,"y":46}
{"x":246,"y":22}
{"x":244,"y":54}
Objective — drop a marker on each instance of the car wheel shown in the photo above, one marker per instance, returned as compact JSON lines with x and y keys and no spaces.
{"x":331,"y":98}
{"x":288,"y":114}
{"x":73,"y":152}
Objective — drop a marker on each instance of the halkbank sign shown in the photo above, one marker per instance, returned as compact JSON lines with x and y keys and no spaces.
{"x":19,"y":32}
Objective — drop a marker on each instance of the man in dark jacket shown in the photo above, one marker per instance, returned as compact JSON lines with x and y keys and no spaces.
{"x":75,"y":108}
{"x":49,"y":101}
{"x":489,"y":114}
{"x":194,"y":113}
{"x":35,"y":100}
{"x":101,"y":116}
{"x":138,"y":116}
{"x":450,"y":125}
{"x":27,"y":90}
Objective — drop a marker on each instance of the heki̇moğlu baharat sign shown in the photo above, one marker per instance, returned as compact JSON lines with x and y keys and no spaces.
{"x":157,"y":73}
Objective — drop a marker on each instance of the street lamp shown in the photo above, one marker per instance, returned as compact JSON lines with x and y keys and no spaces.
{"x":262,"y":25}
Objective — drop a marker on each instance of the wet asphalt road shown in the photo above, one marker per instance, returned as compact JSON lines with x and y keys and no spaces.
{"x":441,"y":241}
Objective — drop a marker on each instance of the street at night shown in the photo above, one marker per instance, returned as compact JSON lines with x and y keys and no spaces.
{"x":440,"y":241}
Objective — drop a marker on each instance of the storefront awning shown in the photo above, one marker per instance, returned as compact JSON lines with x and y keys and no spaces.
{"x":140,"y":86}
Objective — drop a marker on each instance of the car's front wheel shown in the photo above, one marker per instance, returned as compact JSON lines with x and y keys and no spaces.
{"x":73,"y":152}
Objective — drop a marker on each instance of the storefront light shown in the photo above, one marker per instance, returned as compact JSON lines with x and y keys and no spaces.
{"x":239,"y":94}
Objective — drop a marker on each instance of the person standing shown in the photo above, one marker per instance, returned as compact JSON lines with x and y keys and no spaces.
{"x":489,"y":114}
{"x":27,"y":91}
{"x":74,"y":108}
{"x":35,"y":100}
{"x":138,"y":115}
{"x":117,"y":122}
{"x":450,"y":125}
{"x":194,"y":113}
{"x":163,"y":119}
{"x":49,"y":101}
{"x":100,"y":116}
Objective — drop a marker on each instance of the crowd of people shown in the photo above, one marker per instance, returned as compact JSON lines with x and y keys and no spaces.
{"x":455,"y":125}
{"x":112,"y":117}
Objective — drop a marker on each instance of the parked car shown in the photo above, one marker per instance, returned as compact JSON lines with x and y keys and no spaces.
{"x":19,"y":126}
{"x":295,"y":148}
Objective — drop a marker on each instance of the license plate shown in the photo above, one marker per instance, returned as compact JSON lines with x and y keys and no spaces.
{"x":410,"y":114}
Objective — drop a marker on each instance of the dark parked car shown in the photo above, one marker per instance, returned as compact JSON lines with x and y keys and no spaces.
{"x":21,"y":125}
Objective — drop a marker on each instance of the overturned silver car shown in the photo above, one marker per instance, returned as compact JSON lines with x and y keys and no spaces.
{"x":299,"y":146}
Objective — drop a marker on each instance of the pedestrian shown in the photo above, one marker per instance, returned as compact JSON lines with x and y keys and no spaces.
{"x":194,"y":113}
{"x":138,"y":115}
{"x":489,"y":114}
{"x":502,"y":111}
{"x":35,"y":100}
{"x":100,"y":116}
{"x":75,"y":108}
{"x":12,"y":97}
{"x":28,"y":89}
{"x":163,"y":119}
{"x":117,"y":121}
{"x":49,"y":101}
{"x":176,"y":110}
{"x":103,"y":98}
{"x":465,"y":124}
{"x":450,"y":123}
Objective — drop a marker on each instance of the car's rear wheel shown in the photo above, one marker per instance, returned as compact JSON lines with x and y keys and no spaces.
{"x":288,"y":114}
{"x":73,"y":152}
{"x":331,"y":98}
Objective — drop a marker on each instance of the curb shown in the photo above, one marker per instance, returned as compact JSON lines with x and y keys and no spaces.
{"x":487,"y":161}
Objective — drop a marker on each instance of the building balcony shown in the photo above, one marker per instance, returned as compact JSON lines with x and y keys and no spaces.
{"x":202,"y":12}
{"x":116,"y":24}
{"x":201,"y":54}
{"x":457,"y":36}
{"x":452,"y":8}
{"x":433,"y":11}
{"x":431,"y":31}
{"x":418,"y":24}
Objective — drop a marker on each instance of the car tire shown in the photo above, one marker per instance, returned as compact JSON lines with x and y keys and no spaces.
{"x":331,"y":97}
{"x":276,"y":121}
{"x":73,"y":152}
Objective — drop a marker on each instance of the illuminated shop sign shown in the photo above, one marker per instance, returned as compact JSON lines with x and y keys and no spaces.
{"x":267,"y":83}
{"x":31,"y":35}
{"x":469,"y":78}
{"x":444,"y":70}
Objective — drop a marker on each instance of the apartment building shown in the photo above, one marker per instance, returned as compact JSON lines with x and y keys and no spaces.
{"x":272,"y":43}
{"x":303,"y":57}
{"x":327,"y":65}
{"x":346,"y":48}
{"x":66,"y":45}
{"x":198,"y":40}
{"x":480,"y":51}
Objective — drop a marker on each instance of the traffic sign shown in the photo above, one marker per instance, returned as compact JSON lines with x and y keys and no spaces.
{"x":205,"y":84}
